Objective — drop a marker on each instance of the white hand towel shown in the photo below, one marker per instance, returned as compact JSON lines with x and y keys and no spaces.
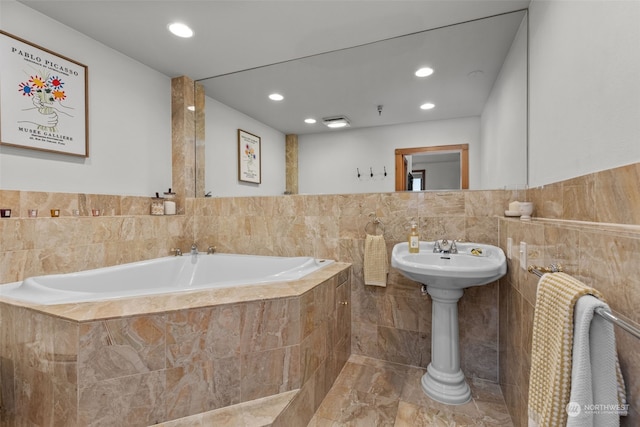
{"x":376,"y":261}
{"x":597,"y":388}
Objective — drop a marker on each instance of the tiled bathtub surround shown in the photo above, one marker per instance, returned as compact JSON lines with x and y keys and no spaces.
{"x":144,"y":362}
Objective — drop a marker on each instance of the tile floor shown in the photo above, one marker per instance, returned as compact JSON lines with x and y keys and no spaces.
{"x":374,"y":393}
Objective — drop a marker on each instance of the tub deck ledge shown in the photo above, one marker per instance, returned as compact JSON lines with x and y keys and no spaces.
{"x":160,"y":303}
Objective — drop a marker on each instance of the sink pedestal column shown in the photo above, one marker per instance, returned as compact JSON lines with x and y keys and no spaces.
{"x":444,"y":380}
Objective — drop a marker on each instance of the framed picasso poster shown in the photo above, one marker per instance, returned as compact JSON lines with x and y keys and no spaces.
{"x":249,"y":157}
{"x":43,"y":99}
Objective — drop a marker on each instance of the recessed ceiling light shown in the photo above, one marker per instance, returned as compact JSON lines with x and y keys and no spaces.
{"x":276,"y":97}
{"x":310,"y":121}
{"x":427,"y":106}
{"x":181,"y":30}
{"x":424,"y":72}
{"x":337,"y":125}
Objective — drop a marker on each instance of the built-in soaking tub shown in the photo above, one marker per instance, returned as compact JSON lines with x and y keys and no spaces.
{"x":161,"y":276}
{"x":197,"y":335}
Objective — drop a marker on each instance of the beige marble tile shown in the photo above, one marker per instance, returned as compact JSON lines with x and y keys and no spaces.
{"x":410,"y":415}
{"x":10,"y":199}
{"x":406,"y":347}
{"x":270,"y":372}
{"x":204,"y":334}
{"x":121,"y":347}
{"x":617,"y":195}
{"x":270,"y":324}
{"x":412,"y":314}
{"x":355,"y":407}
{"x":578,"y":199}
{"x":481,"y":230}
{"x":451,"y":203}
{"x":548,"y":201}
{"x":134,"y":400}
{"x":17,"y":234}
{"x":313,"y":352}
{"x":486,"y":203}
{"x":479,"y":359}
{"x":188,"y":390}
{"x":364,"y":338}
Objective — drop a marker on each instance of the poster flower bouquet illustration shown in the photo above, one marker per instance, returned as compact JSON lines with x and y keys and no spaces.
{"x":47,"y":95}
{"x":250,"y":157}
{"x":43,"y":98}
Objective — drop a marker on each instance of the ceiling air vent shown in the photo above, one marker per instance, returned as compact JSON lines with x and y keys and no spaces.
{"x":336,"y":122}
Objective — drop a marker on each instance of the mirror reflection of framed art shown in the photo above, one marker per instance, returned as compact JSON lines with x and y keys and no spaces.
{"x":249,"y":157}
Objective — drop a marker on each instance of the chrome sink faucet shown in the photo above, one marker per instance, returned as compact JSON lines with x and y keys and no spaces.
{"x":445,"y":247}
{"x":194,"y":249}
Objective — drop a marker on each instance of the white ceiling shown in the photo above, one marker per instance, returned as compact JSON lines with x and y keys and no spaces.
{"x":237,"y":35}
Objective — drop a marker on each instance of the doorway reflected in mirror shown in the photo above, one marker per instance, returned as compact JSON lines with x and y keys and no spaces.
{"x":447,"y":167}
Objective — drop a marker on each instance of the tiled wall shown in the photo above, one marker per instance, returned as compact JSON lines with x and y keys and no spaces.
{"x":145,"y":369}
{"x":392,"y":323}
{"x":604,"y":256}
{"x":124,"y":232}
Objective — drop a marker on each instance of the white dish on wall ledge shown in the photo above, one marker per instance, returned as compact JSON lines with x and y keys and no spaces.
{"x":526,"y":209}
{"x":512,"y":213}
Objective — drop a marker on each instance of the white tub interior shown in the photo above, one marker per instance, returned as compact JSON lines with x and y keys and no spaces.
{"x":161,"y":275}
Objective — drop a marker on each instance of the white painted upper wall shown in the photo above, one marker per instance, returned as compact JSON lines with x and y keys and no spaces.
{"x":584,"y":87}
{"x":129,"y":119}
{"x":503,"y":124}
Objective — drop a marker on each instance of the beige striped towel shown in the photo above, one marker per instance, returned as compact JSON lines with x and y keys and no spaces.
{"x":376,"y":261}
{"x":552,"y":345}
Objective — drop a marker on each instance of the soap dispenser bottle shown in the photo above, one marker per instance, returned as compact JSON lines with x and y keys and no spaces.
{"x":414,"y":239}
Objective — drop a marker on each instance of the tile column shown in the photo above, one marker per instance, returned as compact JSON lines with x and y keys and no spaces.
{"x":291,"y":153}
{"x":187,"y":129}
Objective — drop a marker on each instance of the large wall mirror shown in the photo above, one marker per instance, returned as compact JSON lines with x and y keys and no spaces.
{"x":479,"y":88}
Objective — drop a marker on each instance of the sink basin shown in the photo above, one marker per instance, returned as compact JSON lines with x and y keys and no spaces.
{"x":451,"y":271}
{"x":446,"y":276}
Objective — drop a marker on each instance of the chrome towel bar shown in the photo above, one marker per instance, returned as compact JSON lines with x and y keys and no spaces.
{"x":605,"y":314}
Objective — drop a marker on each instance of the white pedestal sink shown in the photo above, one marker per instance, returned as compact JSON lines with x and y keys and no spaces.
{"x":446,"y":275}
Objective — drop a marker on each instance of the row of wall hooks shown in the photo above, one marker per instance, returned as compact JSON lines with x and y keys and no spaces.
{"x":371,"y":171}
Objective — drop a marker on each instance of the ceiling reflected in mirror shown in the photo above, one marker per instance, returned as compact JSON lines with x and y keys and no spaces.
{"x":377,"y":84}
